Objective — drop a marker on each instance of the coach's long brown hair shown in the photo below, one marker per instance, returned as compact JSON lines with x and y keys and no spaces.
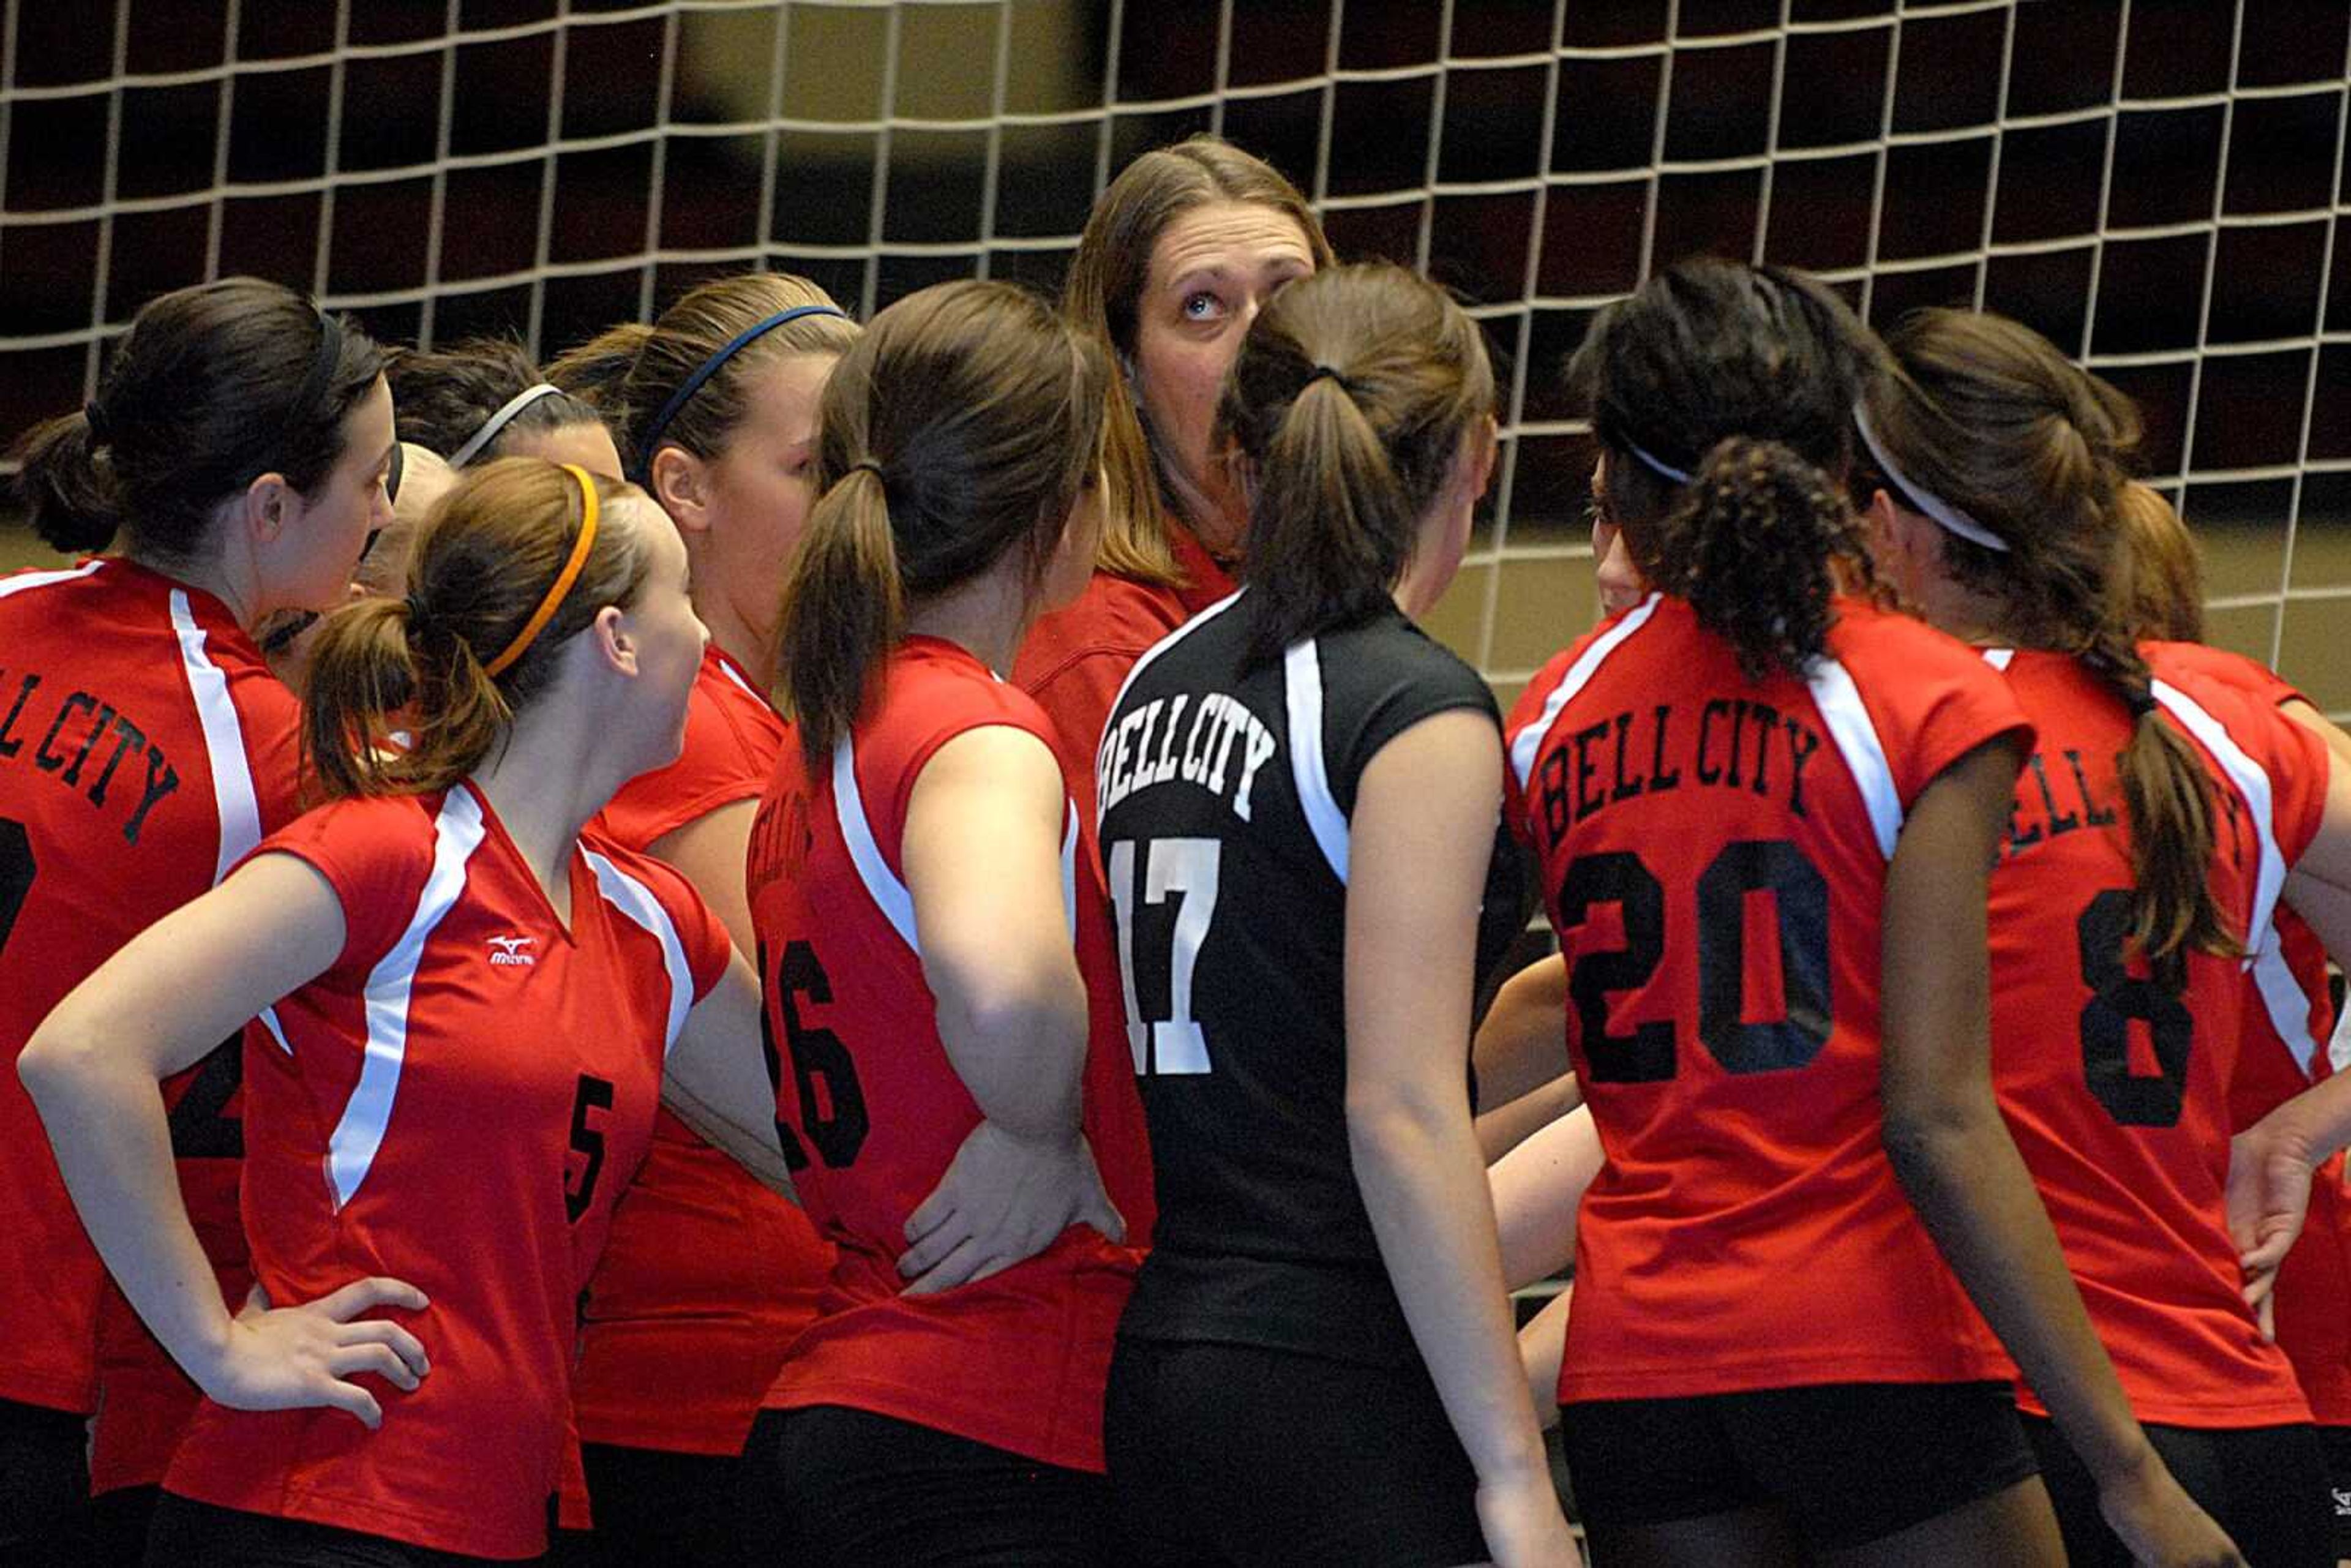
{"x":215,"y":385}
{"x":1103,"y":293}
{"x":630,"y":372}
{"x":2161,"y":585}
{"x":960,"y":427}
{"x":1991,"y":417}
{"x":1743,"y":379}
{"x":486,"y":557}
{"x":1350,"y":399}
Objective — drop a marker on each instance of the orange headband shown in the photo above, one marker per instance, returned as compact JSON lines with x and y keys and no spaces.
{"x":563,"y":580}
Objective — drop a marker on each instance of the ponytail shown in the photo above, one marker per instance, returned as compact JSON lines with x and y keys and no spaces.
{"x":2169,"y":795}
{"x":508,"y":563}
{"x":374,"y":661}
{"x":593,"y":373}
{"x":843,"y":608}
{"x":1344,"y":529}
{"x":1754,"y":545}
{"x":66,"y":486}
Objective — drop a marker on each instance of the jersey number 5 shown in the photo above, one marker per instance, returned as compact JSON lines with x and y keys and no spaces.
{"x":1184,"y":870}
{"x":1800,"y":903}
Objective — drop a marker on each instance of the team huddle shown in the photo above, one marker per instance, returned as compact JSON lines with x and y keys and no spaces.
{"x":788,"y":941}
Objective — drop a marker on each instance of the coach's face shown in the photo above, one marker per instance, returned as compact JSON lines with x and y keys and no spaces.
{"x":1212,"y":270}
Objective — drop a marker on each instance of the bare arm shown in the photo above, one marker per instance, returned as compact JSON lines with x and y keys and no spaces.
{"x":982,"y":850}
{"x":1538,"y":1187}
{"x":93,"y":1068}
{"x":716,"y":1079}
{"x":1421,"y":832}
{"x":1955,"y":1159}
{"x":1521,"y":1052}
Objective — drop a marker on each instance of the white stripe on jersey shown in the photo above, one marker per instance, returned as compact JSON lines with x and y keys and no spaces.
{"x":2283,"y":1000}
{"x":635,"y":900}
{"x":239,"y":808}
{"x":2252,"y":783}
{"x":1069,"y":865}
{"x":359,"y":1132}
{"x":2000,"y":658}
{"x":726,"y":668}
{"x":1142,"y":664}
{"x":24,"y":579}
{"x":240,"y":812}
{"x":882,"y":883}
{"x":1526,"y":744}
{"x":1301,"y":695}
{"x":1857,"y":742}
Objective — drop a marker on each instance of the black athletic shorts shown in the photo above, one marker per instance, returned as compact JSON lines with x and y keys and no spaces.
{"x":2265,"y":1485}
{"x":1230,"y":1454}
{"x":1850,"y":1463}
{"x":190,"y":1534}
{"x":118,"y":1521}
{"x":44,"y":1486}
{"x":849,"y":1489}
{"x":654,"y":1507}
{"x":2334,"y":1442}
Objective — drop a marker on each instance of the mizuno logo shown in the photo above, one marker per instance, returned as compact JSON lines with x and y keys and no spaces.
{"x":510,"y":951}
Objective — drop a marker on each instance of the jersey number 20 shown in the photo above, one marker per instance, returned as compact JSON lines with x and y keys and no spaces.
{"x":1800,"y":902}
{"x":1182,"y":871}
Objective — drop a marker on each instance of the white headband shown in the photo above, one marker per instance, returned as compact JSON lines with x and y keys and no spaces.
{"x":1656,"y":464}
{"x":499,"y":421}
{"x":1952,"y":519}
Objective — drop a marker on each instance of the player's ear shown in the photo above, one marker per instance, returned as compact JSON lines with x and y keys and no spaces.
{"x":680,"y":482}
{"x":613,"y":642}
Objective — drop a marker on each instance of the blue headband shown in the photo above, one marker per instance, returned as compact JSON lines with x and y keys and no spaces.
{"x":711,"y":367}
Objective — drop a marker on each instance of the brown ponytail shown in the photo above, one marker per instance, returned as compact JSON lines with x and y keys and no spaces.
{"x":1751,"y":545}
{"x":960,"y":427}
{"x":1992,"y":418}
{"x":1350,"y":399}
{"x":484,"y":561}
{"x":847,"y":563}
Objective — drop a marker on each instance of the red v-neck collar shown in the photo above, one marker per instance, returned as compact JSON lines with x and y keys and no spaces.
{"x":575,"y":867}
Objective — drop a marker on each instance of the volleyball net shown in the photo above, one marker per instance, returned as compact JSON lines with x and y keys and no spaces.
{"x":2159,"y":187}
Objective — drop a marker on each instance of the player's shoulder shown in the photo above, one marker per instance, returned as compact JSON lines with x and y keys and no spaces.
{"x":1886,"y":642}
{"x":2178,"y":663}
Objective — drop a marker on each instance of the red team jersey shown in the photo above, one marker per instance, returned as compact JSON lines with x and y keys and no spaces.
{"x":2289,"y":1017}
{"x":708,"y":1275}
{"x":456,"y":1102}
{"x":2116,"y":1091}
{"x":1075,"y":658}
{"x":1734,"y":1077}
{"x":873,"y":1111}
{"x":144,"y":748}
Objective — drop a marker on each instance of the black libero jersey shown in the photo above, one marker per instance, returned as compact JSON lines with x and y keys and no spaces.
{"x":1223,"y":789}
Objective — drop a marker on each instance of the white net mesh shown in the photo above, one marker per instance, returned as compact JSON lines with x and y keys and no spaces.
{"x":2160,"y":186}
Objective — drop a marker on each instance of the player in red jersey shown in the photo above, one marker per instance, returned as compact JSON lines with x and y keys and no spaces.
{"x":465,"y":1012}
{"x":2290,"y":1009}
{"x":2148,"y":844}
{"x":1180,"y":254}
{"x":234,"y":455}
{"x":1765,"y":810}
{"x":708,"y":1277}
{"x":919,"y":879}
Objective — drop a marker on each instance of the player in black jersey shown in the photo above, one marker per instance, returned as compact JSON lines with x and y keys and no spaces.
{"x":1299,"y":797}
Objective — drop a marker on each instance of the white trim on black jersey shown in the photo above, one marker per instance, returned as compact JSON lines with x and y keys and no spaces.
{"x":352,"y":1148}
{"x":635,"y":900}
{"x":1302,"y":697}
{"x":1110,"y":719}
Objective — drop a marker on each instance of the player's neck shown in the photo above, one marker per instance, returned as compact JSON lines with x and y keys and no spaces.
{"x":985,"y":616}
{"x":545,"y":784}
{"x":747,"y":647}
